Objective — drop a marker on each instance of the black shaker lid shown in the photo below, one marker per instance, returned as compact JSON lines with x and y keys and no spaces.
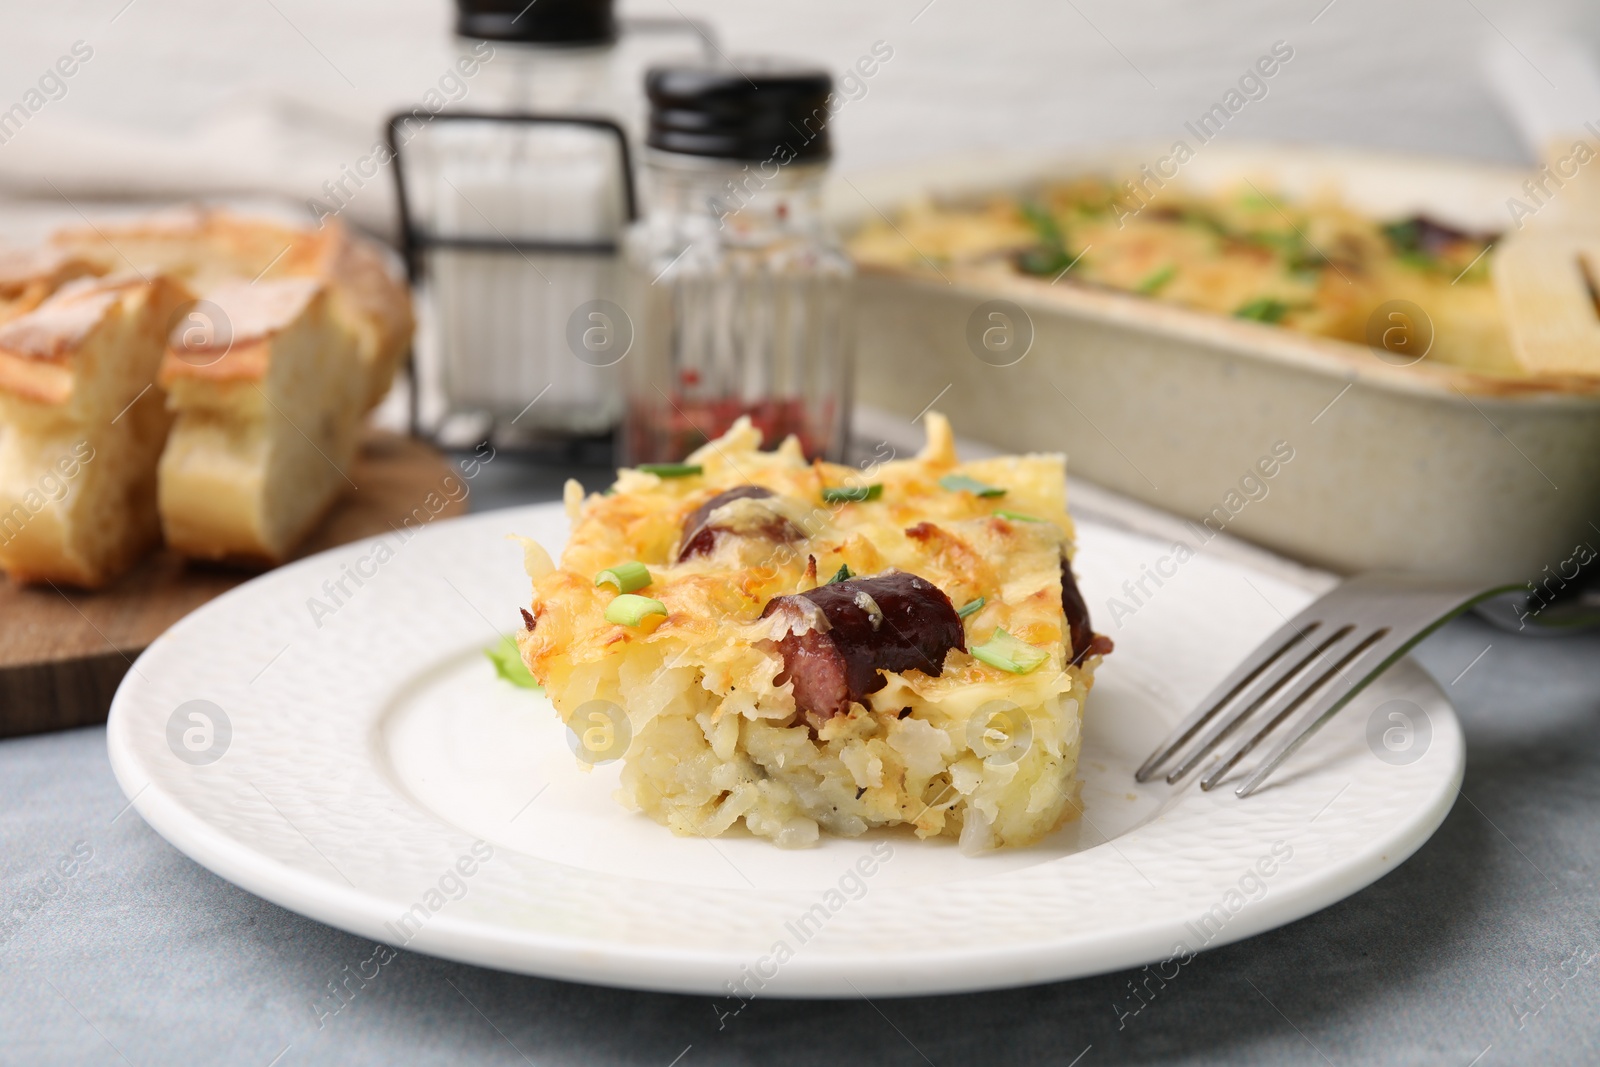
{"x":750,"y":108}
{"x":557,"y":22}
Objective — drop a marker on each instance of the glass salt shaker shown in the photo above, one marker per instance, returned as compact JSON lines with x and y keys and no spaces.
{"x":569,"y":56}
{"x":739,"y":293}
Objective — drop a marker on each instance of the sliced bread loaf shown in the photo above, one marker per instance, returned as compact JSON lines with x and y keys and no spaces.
{"x":82,"y":425}
{"x":268,"y":393}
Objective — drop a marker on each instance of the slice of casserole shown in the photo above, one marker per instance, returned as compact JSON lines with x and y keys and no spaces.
{"x":804,"y":646}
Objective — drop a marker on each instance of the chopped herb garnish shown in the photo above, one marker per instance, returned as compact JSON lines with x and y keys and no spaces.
{"x":1044,"y":224}
{"x":630,"y":609}
{"x":1306,"y":260}
{"x":507,"y":660}
{"x":1300,"y":256}
{"x":1405,"y":236}
{"x":1050,"y":256}
{"x":846,"y":494}
{"x":1016,"y":516}
{"x":1432,"y":247}
{"x":1262,"y":309}
{"x":1045,"y":261}
{"x":970,"y":608}
{"x":1417,"y":261}
{"x":843,"y":574}
{"x":961,"y":483}
{"x":1286,"y":243}
{"x":671,"y":470}
{"x":1205,"y":220}
{"x":625,"y":576}
{"x":1009,"y":654}
{"x":1157,"y":280}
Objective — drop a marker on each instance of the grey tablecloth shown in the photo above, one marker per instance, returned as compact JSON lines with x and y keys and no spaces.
{"x":115,"y":948}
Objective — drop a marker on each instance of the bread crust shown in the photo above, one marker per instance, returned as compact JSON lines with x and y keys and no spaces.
{"x":84,"y":427}
{"x":29,"y":275}
{"x":209,"y":248}
{"x":266,"y":429}
{"x":231,"y":339}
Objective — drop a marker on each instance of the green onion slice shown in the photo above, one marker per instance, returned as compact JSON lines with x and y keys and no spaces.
{"x":1016,"y":516}
{"x":1044,"y":224}
{"x":847,"y":494}
{"x":1263,"y":309}
{"x":1009,"y":654}
{"x":507,"y":660}
{"x":843,"y":574}
{"x":1157,"y":280}
{"x":671,"y":470}
{"x":961,"y":483}
{"x":971,"y":608}
{"x":625,"y":576}
{"x":630,"y":609}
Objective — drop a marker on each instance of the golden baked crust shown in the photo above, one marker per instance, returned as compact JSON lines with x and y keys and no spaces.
{"x":268,"y":415}
{"x":38,"y":350}
{"x":29,"y":275}
{"x":82,"y":425}
{"x":239,"y":347}
{"x":210,"y":248}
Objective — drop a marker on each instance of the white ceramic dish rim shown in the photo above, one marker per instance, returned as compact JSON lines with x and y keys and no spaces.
{"x":681,"y":968}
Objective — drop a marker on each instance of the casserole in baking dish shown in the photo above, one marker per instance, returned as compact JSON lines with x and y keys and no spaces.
{"x":1454,"y":463}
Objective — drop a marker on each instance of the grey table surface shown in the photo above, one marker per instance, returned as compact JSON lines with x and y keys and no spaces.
{"x":1483,"y":948}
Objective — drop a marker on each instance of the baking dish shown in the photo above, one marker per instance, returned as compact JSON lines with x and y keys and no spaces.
{"x":1323,"y":450}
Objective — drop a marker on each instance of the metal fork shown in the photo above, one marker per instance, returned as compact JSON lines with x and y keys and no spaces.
{"x":1311,"y":668}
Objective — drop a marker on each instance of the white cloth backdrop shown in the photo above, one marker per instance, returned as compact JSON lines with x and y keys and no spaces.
{"x":195,"y":97}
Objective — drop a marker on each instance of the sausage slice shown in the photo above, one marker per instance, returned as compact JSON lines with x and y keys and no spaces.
{"x":836,"y":639}
{"x":700,"y":533}
{"x":1085,"y":642}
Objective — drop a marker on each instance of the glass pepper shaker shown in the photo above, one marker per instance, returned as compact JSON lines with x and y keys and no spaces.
{"x":739,"y":292}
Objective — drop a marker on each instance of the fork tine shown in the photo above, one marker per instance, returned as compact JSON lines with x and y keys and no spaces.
{"x":1340,"y":655}
{"x":1374,"y":620}
{"x":1326,"y":705}
{"x":1265,"y":654}
{"x":1432,"y":610}
{"x":1281,"y":672}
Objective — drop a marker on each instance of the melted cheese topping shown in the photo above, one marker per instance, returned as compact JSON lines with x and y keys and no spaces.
{"x":951,"y":538}
{"x":1318,"y":267}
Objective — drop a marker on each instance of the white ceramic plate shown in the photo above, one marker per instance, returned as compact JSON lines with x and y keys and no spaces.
{"x":367,"y":765}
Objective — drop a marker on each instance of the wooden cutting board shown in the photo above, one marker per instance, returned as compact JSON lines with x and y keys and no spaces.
{"x":63,"y":651}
